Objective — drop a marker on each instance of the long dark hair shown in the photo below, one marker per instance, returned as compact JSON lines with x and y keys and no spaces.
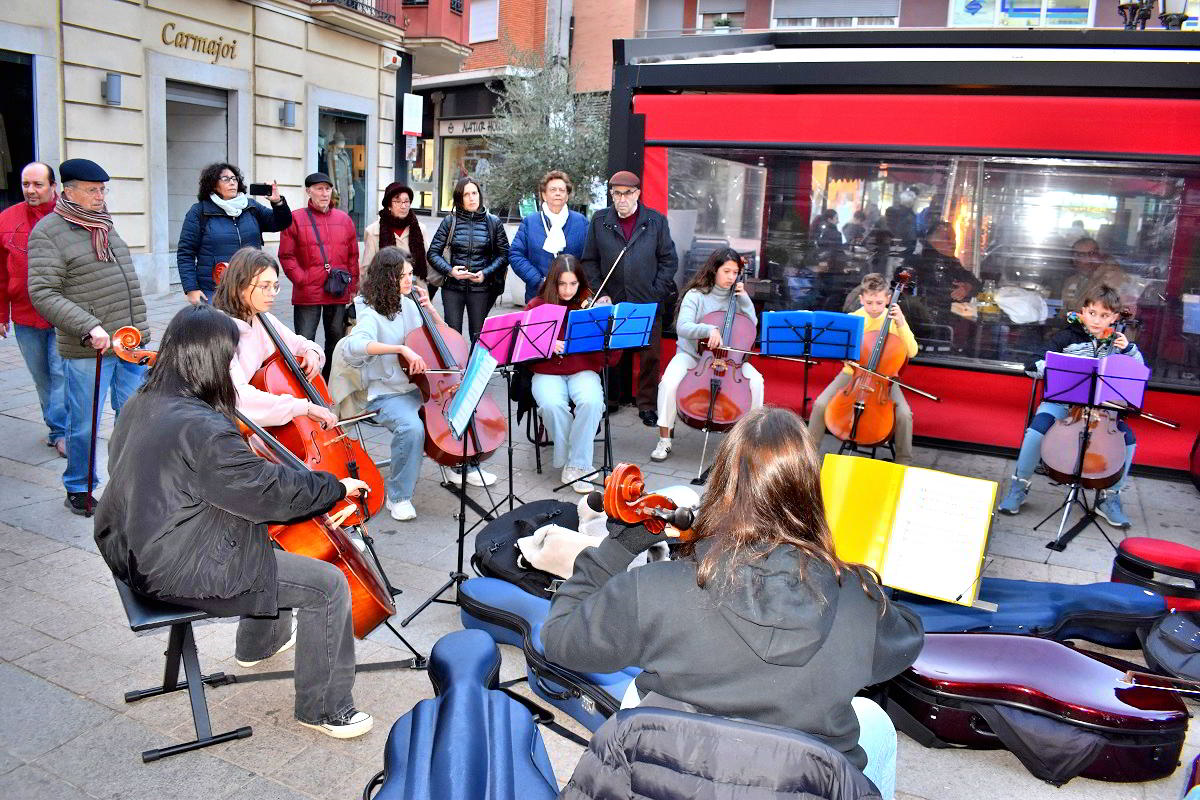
{"x":706,"y":277}
{"x":210,"y":175}
{"x":390,"y":229}
{"x":381,"y":289}
{"x":562,"y":263}
{"x":457,"y":194}
{"x":765,"y":492}
{"x":194,"y":358}
{"x":244,"y":266}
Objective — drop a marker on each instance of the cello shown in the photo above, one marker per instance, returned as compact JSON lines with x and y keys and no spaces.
{"x":322,"y":537}
{"x":325,"y":449}
{"x":862,"y":413}
{"x":446,"y":352}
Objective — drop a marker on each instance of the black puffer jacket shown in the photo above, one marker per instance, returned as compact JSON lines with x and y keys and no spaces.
{"x":184,"y":515}
{"x":480,"y":244}
{"x":646,"y":273}
{"x":668,"y":754}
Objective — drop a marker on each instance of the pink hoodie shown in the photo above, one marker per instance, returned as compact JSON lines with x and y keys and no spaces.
{"x":254,"y":348}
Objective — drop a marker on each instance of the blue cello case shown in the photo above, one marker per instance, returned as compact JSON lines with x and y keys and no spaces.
{"x":471,"y":740}
{"x":512,"y":616}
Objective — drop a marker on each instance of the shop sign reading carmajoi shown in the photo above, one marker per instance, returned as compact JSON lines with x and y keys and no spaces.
{"x":217,"y":48}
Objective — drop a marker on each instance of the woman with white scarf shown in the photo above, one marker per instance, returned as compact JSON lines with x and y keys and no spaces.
{"x":552,"y":230}
{"x":223,"y":221}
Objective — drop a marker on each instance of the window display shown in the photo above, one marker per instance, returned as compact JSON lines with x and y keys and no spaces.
{"x":463,"y":156}
{"x":1000,"y":248}
{"x":342,"y":155}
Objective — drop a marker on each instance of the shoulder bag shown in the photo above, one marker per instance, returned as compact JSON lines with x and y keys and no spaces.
{"x":337,"y":280}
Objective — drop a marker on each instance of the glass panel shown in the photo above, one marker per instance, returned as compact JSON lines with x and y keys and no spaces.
{"x":422,"y":175}
{"x":1067,"y":12}
{"x":1020,"y":13}
{"x":976,"y":13}
{"x":342,"y":155}
{"x":463,"y":156}
{"x":1001,"y":248}
{"x":737,"y":19}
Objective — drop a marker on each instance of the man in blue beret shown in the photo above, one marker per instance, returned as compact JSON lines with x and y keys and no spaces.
{"x":81,"y":279}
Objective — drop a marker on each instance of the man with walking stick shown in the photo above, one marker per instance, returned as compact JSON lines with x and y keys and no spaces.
{"x":81,"y":279}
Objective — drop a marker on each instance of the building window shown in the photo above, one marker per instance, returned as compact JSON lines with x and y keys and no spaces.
{"x":737,"y":19}
{"x":709,"y":11}
{"x":485,"y":20}
{"x":1026,"y":234}
{"x":1021,"y":13}
{"x":834,"y":22}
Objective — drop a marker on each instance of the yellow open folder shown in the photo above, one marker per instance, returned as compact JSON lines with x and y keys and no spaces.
{"x":922,"y":530}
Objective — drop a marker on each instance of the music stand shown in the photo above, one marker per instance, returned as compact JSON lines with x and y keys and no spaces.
{"x":1093,"y":386}
{"x":811,"y":334}
{"x":460,"y":414}
{"x":604,"y":329}
{"x":511,"y":339}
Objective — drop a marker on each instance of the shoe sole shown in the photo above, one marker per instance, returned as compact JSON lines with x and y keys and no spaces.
{"x":1110,"y":521}
{"x":664,"y":458}
{"x":1008,"y":512}
{"x":581,"y":487}
{"x":343,"y":731}
{"x":79,"y":512}
{"x":288,"y":645}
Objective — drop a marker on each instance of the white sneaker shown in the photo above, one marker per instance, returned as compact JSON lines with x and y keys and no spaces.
{"x":662,"y":449}
{"x":344,"y":726}
{"x":401,"y":510}
{"x":571,"y":475}
{"x":288,"y":645}
{"x":477,"y":476}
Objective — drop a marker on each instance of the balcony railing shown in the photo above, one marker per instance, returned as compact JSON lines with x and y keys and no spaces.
{"x":369,"y":8}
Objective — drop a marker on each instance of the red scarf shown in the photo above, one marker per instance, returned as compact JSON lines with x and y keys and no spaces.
{"x":390,"y":229}
{"x":98,"y":222}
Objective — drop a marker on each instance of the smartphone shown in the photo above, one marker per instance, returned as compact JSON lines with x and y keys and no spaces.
{"x":261,"y":189}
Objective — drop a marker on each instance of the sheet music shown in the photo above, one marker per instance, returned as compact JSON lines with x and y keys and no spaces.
{"x":480,"y":368}
{"x":939,"y":534}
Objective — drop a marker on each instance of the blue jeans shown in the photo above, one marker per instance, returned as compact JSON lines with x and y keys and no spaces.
{"x":122,"y":378}
{"x":398,"y":413}
{"x":877,"y":736}
{"x":40,"y":352}
{"x":573,"y":437}
{"x":1031,"y":446}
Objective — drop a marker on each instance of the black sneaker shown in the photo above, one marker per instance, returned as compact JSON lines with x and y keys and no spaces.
{"x":347,"y":725}
{"x":77,"y":502}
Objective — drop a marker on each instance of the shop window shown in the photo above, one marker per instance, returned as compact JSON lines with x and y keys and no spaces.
{"x":342,"y":155}
{"x":485,"y":20}
{"x":463,"y":156}
{"x":1021,"y":13}
{"x":1022,"y":237}
{"x":422,"y":175}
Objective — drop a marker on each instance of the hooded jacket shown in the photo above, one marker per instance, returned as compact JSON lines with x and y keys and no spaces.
{"x":772,"y":649}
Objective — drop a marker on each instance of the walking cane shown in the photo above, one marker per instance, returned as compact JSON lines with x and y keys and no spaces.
{"x":92,"y":445}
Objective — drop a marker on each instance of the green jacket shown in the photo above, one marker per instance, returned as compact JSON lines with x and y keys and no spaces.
{"x":76,"y":291}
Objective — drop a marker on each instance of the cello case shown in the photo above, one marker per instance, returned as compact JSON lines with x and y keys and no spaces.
{"x":1108,"y":614}
{"x":1062,"y":712}
{"x":471,"y":740}
{"x":1169,"y":568}
{"x":514,"y":617}
{"x":496,"y":553}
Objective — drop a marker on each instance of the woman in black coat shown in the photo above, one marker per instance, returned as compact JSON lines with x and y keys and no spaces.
{"x":184,"y":519}
{"x":478,"y":258}
{"x":222,"y":221}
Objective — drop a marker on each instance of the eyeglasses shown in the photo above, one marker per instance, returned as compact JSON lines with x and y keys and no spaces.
{"x":95,"y":191}
{"x":227,"y":179}
{"x":269,"y":288}
{"x":624,"y":194}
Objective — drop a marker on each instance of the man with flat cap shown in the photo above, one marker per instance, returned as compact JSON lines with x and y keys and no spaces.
{"x":633,"y":243}
{"x":320,"y":239}
{"x":81,"y":279}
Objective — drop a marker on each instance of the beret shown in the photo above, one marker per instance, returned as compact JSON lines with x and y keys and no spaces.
{"x":81,"y":169}
{"x":625,"y":178}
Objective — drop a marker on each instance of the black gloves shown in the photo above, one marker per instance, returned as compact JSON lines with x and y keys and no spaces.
{"x":635,"y":538}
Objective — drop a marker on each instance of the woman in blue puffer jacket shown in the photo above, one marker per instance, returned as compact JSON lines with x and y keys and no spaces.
{"x":223,"y":221}
{"x":552,"y":230}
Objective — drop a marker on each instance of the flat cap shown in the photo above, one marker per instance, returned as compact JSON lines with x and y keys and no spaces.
{"x":81,"y":169}
{"x":317,"y":177}
{"x":625,"y":178}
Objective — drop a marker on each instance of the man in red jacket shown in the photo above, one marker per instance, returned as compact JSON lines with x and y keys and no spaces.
{"x":35,"y":336}
{"x":320,"y":240}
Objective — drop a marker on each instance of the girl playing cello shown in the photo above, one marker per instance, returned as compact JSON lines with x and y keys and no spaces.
{"x":247,"y":288}
{"x":708,"y":291}
{"x":569,"y":379}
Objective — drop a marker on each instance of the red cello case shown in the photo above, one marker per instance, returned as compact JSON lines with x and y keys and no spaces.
{"x":1063,"y":712}
{"x":1160,"y":566}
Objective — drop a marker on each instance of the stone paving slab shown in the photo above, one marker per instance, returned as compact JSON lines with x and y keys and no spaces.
{"x":67,"y":656}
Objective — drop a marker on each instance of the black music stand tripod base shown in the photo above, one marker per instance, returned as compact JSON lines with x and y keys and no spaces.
{"x":1077,"y":495}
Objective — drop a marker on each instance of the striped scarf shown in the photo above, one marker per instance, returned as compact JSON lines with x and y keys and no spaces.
{"x":98,"y":222}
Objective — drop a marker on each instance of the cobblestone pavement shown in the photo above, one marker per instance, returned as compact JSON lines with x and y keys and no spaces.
{"x":67,"y":655}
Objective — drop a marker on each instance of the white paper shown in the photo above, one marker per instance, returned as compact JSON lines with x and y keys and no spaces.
{"x":480,"y":367}
{"x":938,"y":534}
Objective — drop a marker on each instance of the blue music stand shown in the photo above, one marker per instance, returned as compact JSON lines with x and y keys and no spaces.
{"x":811,"y":334}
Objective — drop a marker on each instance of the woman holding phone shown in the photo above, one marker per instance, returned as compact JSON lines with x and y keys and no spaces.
{"x":222,"y":221}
